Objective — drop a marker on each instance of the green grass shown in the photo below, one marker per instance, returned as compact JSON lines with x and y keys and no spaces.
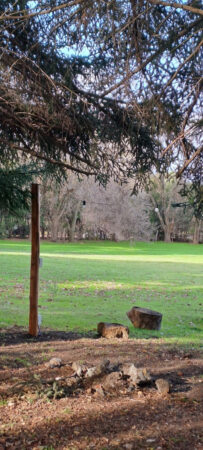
{"x":84,"y":283}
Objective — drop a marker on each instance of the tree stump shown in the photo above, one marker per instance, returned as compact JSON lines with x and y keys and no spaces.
{"x":145,"y":318}
{"x":112,"y":330}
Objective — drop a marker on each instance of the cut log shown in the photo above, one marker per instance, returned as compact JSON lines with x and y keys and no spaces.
{"x":145,"y":318}
{"x":112,"y":330}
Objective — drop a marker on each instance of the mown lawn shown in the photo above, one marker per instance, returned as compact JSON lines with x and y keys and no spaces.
{"x":84,"y":283}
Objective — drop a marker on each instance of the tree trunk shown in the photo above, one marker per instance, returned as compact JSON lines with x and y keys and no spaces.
{"x":73,"y":222}
{"x":43,"y":232}
{"x":145,"y":318}
{"x":54,"y":231}
{"x":167,"y":235}
{"x":196,"y":236}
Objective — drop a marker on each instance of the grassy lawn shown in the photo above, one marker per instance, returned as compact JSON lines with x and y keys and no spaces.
{"x":84,"y":283}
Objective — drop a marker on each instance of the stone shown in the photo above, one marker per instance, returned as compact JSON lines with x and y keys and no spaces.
{"x":70,"y":381}
{"x":105,"y":365}
{"x":140,"y":394}
{"x":112,"y":330}
{"x":97,"y":391}
{"x":101,"y":369}
{"x":129,"y":446}
{"x":115,"y":367}
{"x":145,"y":318}
{"x":115,"y":443}
{"x":10,"y":403}
{"x":91,"y":372}
{"x":162,"y":385}
{"x":139,"y":376}
{"x":111,"y":380}
{"x":54,"y":362}
{"x":131,"y":388}
{"x":78,"y":369}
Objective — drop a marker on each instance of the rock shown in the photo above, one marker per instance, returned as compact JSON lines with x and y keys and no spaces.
{"x":97,"y":391}
{"x":112,"y":330}
{"x":137,"y":375}
{"x":145,"y":318}
{"x":111,"y":380}
{"x":70,"y":382}
{"x":91,"y":372}
{"x":129,"y":446}
{"x":162,"y":385}
{"x":131,"y":388}
{"x":140,"y":394}
{"x":114,"y":367}
{"x":115,"y":443}
{"x":54,"y":362}
{"x":105,"y":365}
{"x":10,"y":403}
{"x":78,"y":369}
{"x":94,"y":371}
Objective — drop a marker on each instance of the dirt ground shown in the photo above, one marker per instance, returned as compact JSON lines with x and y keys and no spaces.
{"x":37,"y":412}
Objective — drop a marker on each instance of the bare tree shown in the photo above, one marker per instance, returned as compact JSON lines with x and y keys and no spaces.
{"x":162,"y":193}
{"x":61,"y":206}
{"x":114,"y":212}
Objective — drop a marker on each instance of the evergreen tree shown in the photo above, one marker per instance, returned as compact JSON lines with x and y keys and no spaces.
{"x":14,"y":189}
{"x":46,"y":114}
{"x":130,"y":104}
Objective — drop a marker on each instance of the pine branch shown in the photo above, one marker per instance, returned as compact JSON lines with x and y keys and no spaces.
{"x":178,"y":6}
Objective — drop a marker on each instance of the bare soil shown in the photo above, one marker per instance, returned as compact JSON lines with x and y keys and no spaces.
{"x":77,"y":418}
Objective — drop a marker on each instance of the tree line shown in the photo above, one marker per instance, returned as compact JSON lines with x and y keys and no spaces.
{"x":83,"y":209}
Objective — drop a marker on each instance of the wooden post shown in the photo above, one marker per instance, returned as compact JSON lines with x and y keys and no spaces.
{"x":34,"y":268}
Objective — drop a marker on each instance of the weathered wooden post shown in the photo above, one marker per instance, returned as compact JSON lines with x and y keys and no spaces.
{"x":34,"y":268}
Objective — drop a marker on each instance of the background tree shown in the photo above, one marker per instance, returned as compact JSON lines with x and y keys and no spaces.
{"x":109,"y":213}
{"x":192,"y":193}
{"x":114,"y":214}
{"x":163,"y":192}
{"x":61,"y":206}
